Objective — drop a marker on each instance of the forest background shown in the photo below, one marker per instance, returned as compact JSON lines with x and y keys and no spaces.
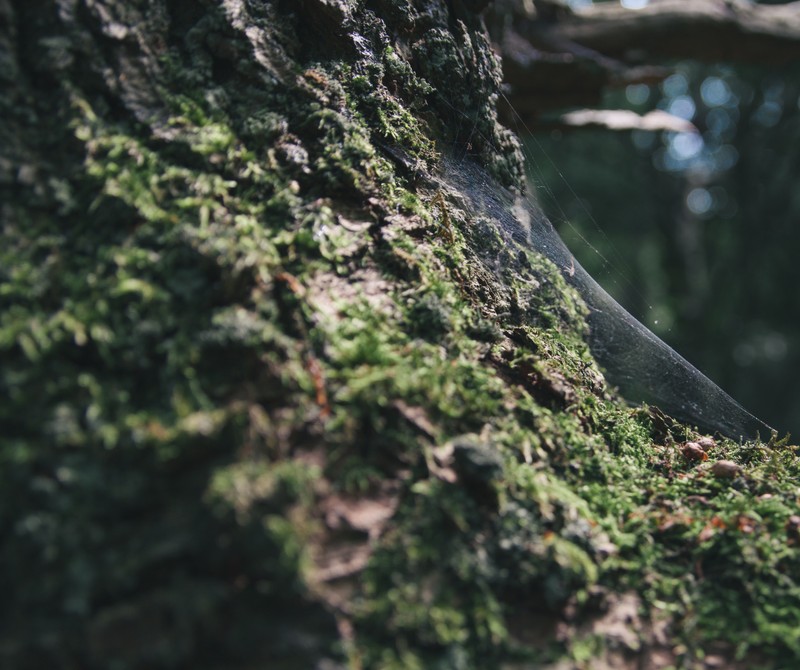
{"x":696,"y":233}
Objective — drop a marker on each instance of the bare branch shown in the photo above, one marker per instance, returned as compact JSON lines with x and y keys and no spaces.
{"x":554,"y":57}
{"x":709,"y":30}
{"x":625,"y":119}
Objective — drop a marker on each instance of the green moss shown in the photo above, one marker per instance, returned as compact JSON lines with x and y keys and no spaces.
{"x":253,"y":304}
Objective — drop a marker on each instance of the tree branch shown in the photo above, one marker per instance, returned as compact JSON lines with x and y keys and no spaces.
{"x":554,"y":57}
{"x":708,"y":30}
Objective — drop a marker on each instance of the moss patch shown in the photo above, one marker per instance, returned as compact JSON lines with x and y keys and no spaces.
{"x":274,"y":393}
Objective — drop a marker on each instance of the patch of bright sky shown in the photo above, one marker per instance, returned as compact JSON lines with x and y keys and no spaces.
{"x":708,"y":152}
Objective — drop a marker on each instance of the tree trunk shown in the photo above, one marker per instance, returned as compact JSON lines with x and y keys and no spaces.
{"x":275,"y":396}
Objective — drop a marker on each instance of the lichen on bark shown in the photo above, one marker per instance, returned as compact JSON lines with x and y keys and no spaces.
{"x":276,"y":397}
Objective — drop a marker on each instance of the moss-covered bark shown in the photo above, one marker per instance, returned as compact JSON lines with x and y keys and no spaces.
{"x":273,"y":397}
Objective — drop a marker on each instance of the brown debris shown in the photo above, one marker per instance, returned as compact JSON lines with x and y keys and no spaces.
{"x":692,"y":451}
{"x":707,"y":443}
{"x":726,"y":469}
{"x":318,"y":378}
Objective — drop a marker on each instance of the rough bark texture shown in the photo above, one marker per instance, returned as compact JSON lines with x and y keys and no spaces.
{"x":273,"y":398}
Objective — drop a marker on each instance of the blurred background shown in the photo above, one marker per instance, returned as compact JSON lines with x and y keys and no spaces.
{"x":696,"y":234}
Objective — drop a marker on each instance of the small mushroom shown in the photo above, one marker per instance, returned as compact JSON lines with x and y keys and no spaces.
{"x":693,"y":452}
{"x":726,"y":469}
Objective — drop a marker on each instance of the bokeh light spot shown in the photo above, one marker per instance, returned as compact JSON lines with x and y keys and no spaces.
{"x":715,"y":92}
{"x":699,"y":201}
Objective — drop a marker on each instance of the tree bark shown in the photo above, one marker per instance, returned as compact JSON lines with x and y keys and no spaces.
{"x":216,"y":221}
{"x":276,"y":396}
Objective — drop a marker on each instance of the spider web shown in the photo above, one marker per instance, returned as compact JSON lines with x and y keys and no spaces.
{"x":637,"y":362}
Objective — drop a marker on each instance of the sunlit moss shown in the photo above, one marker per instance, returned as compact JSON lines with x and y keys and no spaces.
{"x":222,"y":330}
